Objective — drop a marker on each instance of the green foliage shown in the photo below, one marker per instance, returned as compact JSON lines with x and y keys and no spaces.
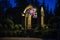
{"x":36,"y":29}
{"x":19,"y":26}
{"x":45,"y":26}
{"x":48,"y":33}
{"x":9,"y":21}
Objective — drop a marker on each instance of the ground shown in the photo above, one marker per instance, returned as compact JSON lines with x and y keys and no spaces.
{"x":18,"y":38}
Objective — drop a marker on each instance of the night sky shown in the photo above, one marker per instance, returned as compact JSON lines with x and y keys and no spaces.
{"x":51,"y":3}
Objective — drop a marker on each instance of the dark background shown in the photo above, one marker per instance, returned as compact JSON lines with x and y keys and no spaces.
{"x":12,"y":22}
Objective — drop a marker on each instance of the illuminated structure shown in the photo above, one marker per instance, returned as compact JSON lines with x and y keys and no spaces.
{"x":29,"y":12}
{"x":29,"y":22}
{"x":42,"y":17}
{"x":27,"y":18}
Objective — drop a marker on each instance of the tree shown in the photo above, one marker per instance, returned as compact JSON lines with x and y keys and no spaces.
{"x":34,"y":3}
{"x":54,"y":22}
{"x":21,"y":4}
{"x":4,"y":4}
{"x":14,"y":14}
{"x":46,"y":13}
{"x":57,"y":8}
{"x":57,"y":13}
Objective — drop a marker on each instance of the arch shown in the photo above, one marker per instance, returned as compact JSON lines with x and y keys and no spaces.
{"x":29,"y":6}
